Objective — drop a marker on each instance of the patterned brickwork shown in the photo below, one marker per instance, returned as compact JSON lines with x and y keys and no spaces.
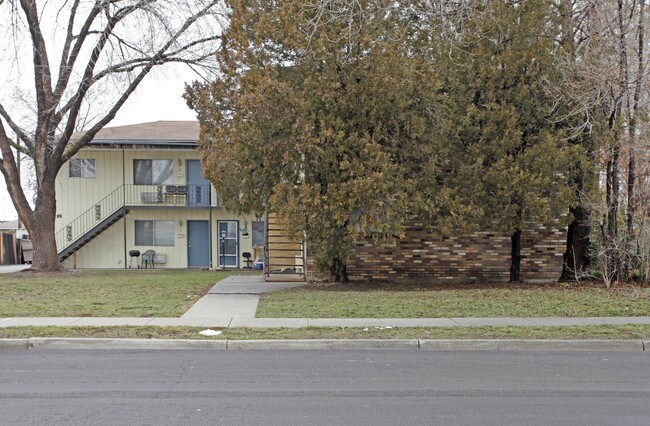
{"x":481,"y":256}
{"x":542,"y":252}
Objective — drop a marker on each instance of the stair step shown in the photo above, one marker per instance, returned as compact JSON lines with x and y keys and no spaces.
{"x":93,"y":232}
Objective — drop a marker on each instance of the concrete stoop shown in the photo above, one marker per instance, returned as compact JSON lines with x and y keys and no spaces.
{"x":331,"y":344}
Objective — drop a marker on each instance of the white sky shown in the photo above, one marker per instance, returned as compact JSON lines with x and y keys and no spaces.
{"x":159,"y":97}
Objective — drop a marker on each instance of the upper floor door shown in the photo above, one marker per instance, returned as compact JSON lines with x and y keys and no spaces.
{"x":198,"y":188}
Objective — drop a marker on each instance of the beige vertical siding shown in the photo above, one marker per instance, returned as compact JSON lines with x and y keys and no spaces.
{"x":107,"y":250}
{"x":76,"y":195}
{"x":176,"y":254}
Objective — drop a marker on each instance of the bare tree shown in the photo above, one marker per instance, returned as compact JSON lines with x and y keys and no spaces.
{"x":103,"y":47}
{"x":606,"y":83}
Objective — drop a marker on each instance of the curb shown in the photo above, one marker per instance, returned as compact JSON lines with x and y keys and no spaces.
{"x":14,"y":344}
{"x":320,"y":344}
{"x":99,"y":343}
{"x":387,"y":344}
{"x":515,"y":344}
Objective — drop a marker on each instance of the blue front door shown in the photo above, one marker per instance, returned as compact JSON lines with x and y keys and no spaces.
{"x":198,"y":245}
{"x":198,"y":189}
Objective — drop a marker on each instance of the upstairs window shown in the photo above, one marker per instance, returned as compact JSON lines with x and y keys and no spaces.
{"x":83,"y":168}
{"x":153,"y":172}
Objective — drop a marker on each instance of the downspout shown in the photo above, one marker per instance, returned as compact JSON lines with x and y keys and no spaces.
{"x":124,"y":204}
{"x":210,"y":223}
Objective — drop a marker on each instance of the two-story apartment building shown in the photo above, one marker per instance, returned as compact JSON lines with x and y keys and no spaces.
{"x":139,"y":188}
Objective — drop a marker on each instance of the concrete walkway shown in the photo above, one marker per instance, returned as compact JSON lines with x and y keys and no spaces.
{"x":234,"y":297}
{"x":232,"y":303}
{"x":8,"y":269}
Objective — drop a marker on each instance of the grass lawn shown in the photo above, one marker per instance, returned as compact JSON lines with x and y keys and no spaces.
{"x":106,"y":293}
{"x":504,"y":300}
{"x":563,"y":333}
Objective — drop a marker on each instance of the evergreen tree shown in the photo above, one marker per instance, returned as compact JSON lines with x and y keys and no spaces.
{"x":506,"y":154}
{"x":315,"y":126}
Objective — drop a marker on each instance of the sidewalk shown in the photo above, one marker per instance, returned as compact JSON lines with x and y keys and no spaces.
{"x":232,"y":303}
{"x":10,"y":269}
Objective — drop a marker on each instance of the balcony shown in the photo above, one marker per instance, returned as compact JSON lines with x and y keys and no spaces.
{"x":170,"y":196}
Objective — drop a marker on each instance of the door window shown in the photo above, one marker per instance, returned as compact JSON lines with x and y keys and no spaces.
{"x":228,"y":249}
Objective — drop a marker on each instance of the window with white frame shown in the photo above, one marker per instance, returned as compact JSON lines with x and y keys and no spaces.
{"x":83,"y":168}
{"x":154,"y":232}
{"x":153,"y":172}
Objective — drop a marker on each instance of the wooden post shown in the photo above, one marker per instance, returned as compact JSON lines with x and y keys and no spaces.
{"x":74,"y":260}
{"x":14,"y":247}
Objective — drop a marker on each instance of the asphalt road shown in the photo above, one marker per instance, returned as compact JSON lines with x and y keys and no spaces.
{"x":323,"y":387}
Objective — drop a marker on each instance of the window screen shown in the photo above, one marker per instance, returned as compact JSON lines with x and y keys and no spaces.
{"x":144,"y":232}
{"x":163,"y":233}
{"x":83,"y":168}
{"x":154,"y":232}
{"x":153,"y":172}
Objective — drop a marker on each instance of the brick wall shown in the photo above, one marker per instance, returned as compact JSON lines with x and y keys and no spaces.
{"x":542,"y":252}
{"x":481,"y":256}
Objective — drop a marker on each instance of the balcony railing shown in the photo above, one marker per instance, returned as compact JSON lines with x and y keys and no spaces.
{"x":169,"y":195}
{"x":134,"y":196}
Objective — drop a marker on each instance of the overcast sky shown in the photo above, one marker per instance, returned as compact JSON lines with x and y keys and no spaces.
{"x":157,"y":98}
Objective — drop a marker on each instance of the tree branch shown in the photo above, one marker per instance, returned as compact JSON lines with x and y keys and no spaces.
{"x":9,"y":170}
{"x":42,"y":76}
{"x":19,"y":132}
{"x":158,"y":58}
{"x":67,"y":62}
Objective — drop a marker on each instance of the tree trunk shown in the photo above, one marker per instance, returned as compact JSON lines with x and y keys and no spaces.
{"x":576,"y":256}
{"x":339,"y":272}
{"x":46,"y":257}
{"x":515,"y":256}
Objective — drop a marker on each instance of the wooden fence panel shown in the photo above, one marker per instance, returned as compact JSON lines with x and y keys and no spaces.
{"x":8,"y":254}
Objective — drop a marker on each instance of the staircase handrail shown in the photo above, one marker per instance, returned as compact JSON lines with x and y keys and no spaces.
{"x":86,"y":221}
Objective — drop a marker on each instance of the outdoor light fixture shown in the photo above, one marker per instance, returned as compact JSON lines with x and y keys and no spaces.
{"x":244,"y":229}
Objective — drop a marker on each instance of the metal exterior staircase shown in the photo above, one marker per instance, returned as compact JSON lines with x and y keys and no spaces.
{"x":91,"y":223}
{"x":92,"y":233}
